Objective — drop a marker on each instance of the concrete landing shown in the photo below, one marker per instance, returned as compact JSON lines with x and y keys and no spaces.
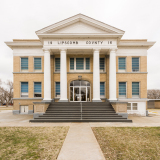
{"x":80,"y":144}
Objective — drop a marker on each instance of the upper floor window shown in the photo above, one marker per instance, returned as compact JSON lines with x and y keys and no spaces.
{"x":57,"y":92}
{"x":24,"y":89}
{"x":79,"y":64}
{"x":135,"y":64}
{"x":135,"y":89}
{"x":102,"y":89}
{"x":37,"y":89}
{"x":102,"y":64}
{"x":122,"y":89}
{"x":37,"y":64}
{"x":122,"y":64}
{"x":24,"y":64}
{"x":57,"y":64}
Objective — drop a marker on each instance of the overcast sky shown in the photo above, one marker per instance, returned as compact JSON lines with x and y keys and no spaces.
{"x":140,"y":19}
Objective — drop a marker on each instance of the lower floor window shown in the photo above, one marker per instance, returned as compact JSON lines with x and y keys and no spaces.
{"x":57,"y":89}
{"x":37,"y":89}
{"x":132,"y":106}
{"x":135,"y":89}
{"x":24,"y":89}
{"x":122,"y":89}
{"x":102,"y":89}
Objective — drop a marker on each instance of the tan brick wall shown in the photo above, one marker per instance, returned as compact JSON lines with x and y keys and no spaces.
{"x":143,"y":63}
{"x":30,"y":78}
{"x":129,"y":78}
{"x":55,"y":77}
{"x":17,"y":63}
{"x":157,"y":104}
{"x":120,"y":107}
{"x":29,"y":103}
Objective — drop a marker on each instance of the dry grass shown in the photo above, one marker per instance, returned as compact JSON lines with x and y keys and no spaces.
{"x":129,"y":143}
{"x":31,"y":143}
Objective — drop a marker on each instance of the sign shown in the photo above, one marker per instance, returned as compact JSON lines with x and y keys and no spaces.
{"x":79,"y":42}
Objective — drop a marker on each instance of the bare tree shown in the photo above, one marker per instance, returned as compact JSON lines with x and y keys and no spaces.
{"x":6,"y":94}
{"x":153,"y":94}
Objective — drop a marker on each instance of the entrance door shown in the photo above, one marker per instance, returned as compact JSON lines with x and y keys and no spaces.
{"x":76,"y":94}
{"x":83,"y":93}
{"x":24,"y":109}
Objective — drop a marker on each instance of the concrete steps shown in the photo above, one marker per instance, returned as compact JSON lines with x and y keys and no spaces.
{"x":80,"y":112}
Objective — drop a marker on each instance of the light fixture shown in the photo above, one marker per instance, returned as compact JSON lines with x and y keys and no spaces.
{"x":79,"y":78}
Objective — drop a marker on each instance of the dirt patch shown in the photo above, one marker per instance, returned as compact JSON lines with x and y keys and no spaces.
{"x":129,"y":142}
{"x":31,"y":143}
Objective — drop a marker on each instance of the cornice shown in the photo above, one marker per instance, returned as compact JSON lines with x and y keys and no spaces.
{"x":22,"y":44}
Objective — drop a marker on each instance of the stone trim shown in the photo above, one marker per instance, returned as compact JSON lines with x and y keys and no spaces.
{"x":28,"y":72}
{"x":131,"y":72}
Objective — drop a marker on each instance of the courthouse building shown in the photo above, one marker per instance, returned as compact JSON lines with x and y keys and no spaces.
{"x":79,"y":59}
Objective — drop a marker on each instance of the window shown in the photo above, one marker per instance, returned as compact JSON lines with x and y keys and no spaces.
{"x":37,"y":64}
{"x":57,"y":64}
{"x":79,"y":63}
{"x":24,"y":64}
{"x":71,"y":63}
{"x":37,"y":89}
{"x":122,"y":64}
{"x":102,"y":64}
{"x":135,"y":89}
{"x":102,"y":89}
{"x":122,"y":89}
{"x":87,"y":63}
{"x":24,"y":89}
{"x":128,"y":106}
{"x":57,"y":89}
{"x":132,"y":106}
{"x":135,"y":64}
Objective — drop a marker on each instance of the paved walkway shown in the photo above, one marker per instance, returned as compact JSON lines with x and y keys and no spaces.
{"x":80,"y":144}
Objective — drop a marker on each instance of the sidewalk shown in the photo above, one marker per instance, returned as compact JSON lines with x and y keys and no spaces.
{"x":80,"y":144}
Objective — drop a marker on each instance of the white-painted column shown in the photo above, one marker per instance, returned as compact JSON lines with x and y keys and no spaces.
{"x":96,"y":76}
{"x":112,"y":75}
{"x":63,"y":76}
{"x":47,"y":75}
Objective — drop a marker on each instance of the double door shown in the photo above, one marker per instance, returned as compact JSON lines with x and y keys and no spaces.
{"x":81,"y":93}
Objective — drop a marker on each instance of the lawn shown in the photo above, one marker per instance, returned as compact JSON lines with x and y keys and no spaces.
{"x":129,"y":143}
{"x":31,"y":142}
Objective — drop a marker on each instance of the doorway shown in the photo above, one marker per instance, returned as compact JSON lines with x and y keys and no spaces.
{"x":80,"y":91}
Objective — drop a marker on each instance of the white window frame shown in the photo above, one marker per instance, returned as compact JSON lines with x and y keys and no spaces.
{"x":20,"y":65}
{"x":27,"y":93}
{"x":122,"y":97}
{"x":135,"y":96}
{"x":84,"y":65}
{"x":37,"y":92}
{"x":132,"y":106}
{"x":41,"y":65}
{"x":139,"y":65}
{"x":102,"y":71}
{"x":120,"y":70}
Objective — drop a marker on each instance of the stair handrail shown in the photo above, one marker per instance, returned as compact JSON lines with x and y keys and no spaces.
{"x":81,"y":110}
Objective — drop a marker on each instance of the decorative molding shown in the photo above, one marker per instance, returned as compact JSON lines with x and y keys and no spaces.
{"x":28,"y":54}
{"x":132,"y":72}
{"x":27,"y":98}
{"x":28,"y":72}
